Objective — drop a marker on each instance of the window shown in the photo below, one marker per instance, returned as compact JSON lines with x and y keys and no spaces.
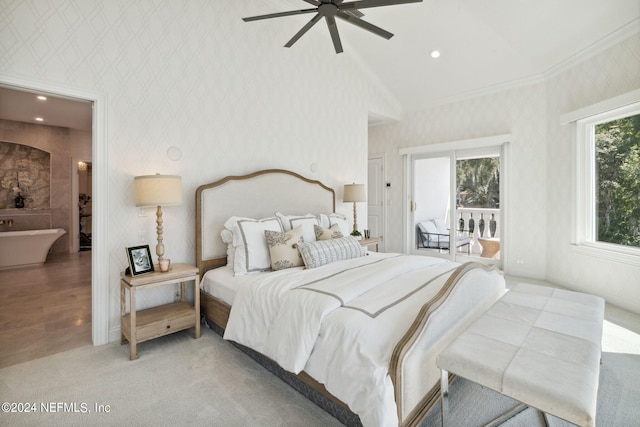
{"x":617,"y":181}
{"x":608,"y":177}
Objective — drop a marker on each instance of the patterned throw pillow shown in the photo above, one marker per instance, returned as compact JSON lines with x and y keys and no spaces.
{"x":327,"y":220}
{"x":283,"y":248}
{"x":321,"y":252}
{"x":332,"y":232}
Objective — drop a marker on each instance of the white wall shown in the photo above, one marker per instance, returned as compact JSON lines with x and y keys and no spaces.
{"x":539,"y":184}
{"x":520,"y":112}
{"x":608,"y":74}
{"x":192,"y":74}
{"x":432,"y":189}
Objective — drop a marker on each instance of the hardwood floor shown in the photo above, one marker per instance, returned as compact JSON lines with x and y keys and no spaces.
{"x":45,"y":309}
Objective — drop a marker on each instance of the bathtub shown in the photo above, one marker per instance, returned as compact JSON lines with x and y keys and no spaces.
{"x":28,"y":247}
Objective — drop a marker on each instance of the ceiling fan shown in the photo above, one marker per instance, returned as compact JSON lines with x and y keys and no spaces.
{"x":332,"y":9}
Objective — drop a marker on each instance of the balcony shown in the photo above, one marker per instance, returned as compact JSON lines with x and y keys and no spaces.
{"x":482,"y":226}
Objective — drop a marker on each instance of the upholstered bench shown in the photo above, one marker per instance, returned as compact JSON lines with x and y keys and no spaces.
{"x":538,"y":345}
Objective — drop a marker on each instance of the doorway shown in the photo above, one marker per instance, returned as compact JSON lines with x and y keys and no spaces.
{"x":457,"y":195}
{"x":99,"y":254}
{"x":376,"y":199}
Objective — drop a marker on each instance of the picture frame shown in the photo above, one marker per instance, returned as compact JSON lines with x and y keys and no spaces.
{"x":140,"y":261}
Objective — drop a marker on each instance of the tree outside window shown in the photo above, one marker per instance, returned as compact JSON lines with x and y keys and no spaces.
{"x":478,"y":182}
{"x":617,"y":186}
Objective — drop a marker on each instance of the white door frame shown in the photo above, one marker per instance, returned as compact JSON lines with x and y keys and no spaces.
{"x":383,"y":198}
{"x":99,"y":249}
{"x":467,"y":144}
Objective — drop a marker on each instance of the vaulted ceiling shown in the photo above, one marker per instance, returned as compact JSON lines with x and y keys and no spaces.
{"x":484,"y":45}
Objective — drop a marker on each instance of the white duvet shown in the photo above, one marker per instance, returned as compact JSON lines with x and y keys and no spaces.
{"x":339,"y":323}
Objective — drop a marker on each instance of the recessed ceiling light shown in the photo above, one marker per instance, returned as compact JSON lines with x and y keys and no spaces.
{"x":42,"y":97}
{"x":39,"y":119}
{"x":435,"y":54}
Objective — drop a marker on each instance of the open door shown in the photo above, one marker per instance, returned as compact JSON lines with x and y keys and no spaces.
{"x":455,"y":204}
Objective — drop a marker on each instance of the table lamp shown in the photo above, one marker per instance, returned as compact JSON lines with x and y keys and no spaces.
{"x":158,"y":190}
{"x":354,"y":193}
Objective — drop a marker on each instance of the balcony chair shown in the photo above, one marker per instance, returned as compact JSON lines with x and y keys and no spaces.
{"x":433,"y":234}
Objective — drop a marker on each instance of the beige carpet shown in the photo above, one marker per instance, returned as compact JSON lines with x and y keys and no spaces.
{"x":208,"y":382}
{"x":175,"y":381}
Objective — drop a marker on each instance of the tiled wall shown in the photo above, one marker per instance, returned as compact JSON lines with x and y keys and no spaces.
{"x":56,"y":142}
{"x":26,"y":173}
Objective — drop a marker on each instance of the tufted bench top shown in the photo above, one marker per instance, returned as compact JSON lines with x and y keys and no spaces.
{"x":538,"y":345}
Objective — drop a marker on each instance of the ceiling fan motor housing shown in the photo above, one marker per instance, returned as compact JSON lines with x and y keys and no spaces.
{"x":327,"y":9}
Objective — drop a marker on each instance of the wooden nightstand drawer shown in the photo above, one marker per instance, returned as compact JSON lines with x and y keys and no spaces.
{"x":158,"y":321}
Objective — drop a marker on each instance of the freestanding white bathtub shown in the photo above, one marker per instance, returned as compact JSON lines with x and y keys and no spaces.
{"x":28,"y":247}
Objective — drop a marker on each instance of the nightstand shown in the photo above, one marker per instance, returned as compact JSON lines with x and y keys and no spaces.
{"x":371,"y":241}
{"x":139,"y":326}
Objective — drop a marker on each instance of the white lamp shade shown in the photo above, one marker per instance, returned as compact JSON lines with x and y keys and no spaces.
{"x":354,"y":193}
{"x":158,"y":190}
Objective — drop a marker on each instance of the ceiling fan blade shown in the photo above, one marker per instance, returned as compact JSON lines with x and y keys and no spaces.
{"x":279,"y":14}
{"x":313,"y":2}
{"x":333,"y":30}
{"x":364,"y":25}
{"x":373,"y":3}
{"x":304,"y":29}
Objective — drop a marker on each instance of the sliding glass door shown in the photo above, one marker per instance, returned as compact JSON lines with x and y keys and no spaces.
{"x":455,"y":203}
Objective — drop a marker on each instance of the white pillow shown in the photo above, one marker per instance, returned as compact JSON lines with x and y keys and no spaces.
{"x":252,"y":251}
{"x":227,"y":238}
{"x":341,"y":220}
{"x":441,"y":226}
{"x":283,"y":248}
{"x":321,"y":252}
{"x":323,"y":219}
{"x":307,"y":222}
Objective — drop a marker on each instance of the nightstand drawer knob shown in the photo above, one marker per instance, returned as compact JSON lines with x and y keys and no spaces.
{"x":168,"y":326}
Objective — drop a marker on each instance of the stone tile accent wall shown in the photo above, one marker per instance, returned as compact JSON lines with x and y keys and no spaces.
{"x":25,"y":171}
{"x":55,"y":141}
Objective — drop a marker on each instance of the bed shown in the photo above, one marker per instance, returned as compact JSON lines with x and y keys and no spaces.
{"x":357,"y":333}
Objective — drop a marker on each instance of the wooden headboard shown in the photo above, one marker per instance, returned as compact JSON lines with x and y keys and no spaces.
{"x":257,"y":195}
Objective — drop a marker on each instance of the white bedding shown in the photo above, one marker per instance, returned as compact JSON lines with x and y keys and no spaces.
{"x":221,"y":283}
{"x":339,"y":323}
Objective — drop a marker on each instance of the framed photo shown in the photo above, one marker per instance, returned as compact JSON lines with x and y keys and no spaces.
{"x":140,"y":260}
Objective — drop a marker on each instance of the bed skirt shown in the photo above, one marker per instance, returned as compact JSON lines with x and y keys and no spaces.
{"x":336,"y":409}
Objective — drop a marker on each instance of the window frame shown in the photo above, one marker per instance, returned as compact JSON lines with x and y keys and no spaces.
{"x":584,"y":239}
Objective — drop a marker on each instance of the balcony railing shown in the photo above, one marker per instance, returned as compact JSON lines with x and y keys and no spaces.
{"x":483,"y":226}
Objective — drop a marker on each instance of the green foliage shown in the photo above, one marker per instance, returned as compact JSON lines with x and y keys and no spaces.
{"x":618,"y":181}
{"x":478,"y":182}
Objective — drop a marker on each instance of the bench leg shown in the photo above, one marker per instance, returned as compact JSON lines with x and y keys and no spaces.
{"x":509,"y":414}
{"x":444,"y":396}
{"x":545,"y":418}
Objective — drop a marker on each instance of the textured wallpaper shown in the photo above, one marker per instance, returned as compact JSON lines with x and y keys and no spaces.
{"x":606,"y":75}
{"x":193,"y":75}
{"x":520,"y":112}
{"x":540,"y":181}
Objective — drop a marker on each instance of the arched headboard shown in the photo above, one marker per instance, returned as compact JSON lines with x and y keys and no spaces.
{"x":256,"y":195}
